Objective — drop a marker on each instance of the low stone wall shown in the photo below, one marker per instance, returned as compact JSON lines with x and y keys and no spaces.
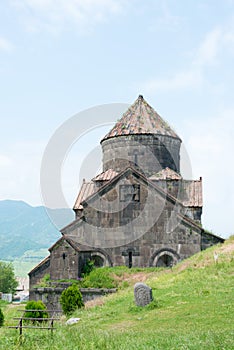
{"x":50,"y":296}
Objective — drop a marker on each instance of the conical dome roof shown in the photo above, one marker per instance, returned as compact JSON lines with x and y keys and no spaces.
{"x":140,"y":118}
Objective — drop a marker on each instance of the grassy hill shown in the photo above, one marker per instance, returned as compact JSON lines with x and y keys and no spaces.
{"x":192,"y":309}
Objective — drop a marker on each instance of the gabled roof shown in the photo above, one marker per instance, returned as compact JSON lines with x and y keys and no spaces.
{"x":190,"y":221}
{"x":165,"y":174}
{"x":75,"y":245}
{"x":193,"y":190}
{"x":86,"y":190}
{"x":138,"y":175}
{"x":140,"y":118}
{"x":105,"y":175}
{"x":41,"y":263}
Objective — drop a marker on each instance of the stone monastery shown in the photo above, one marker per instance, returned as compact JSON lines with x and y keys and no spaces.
{"x":139,"y":211}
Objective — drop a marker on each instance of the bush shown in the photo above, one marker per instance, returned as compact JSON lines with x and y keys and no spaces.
{"x":71,"y":299}
{"x":88,"y":267}
{"x":1,"y":318}
{"x":36,"y":305}
{"x":100,"y":278}
{"x":45,"y":281}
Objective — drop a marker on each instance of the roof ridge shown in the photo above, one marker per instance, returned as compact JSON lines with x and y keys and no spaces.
{"x":166,"y":173}
{"x":105,"y":175}
{"x":147,"y":180}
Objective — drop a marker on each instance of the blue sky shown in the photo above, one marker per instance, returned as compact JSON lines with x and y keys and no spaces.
{"x":58,"y":58}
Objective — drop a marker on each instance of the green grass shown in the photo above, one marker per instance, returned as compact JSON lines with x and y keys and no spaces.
{"x":192,"y":309}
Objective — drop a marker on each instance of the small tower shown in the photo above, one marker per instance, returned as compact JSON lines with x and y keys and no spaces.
{"x":143,"y":139}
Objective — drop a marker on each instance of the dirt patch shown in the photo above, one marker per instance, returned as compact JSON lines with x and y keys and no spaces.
{"x":95,"y":302}
{"x":134,"y":277}
{"x":131,"y":279}
{"x":184,"y":266}
{"x":227,"y":248}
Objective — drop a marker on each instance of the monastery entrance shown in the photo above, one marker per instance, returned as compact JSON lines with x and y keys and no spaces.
{"x":164,"y":258}
{"x":98,"y":260}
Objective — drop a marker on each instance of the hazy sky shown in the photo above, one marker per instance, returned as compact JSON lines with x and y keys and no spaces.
{"x":59,"y":57}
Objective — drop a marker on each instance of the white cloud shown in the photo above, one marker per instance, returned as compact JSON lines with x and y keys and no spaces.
{"x":54,"y":16}
{"x":208,"y":50}
{"x":206,"y":54}
{"x":5,"y":45}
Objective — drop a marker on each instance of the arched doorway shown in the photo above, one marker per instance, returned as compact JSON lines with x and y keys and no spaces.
{"x":166,"y":257}
{"x":165,"y":260}
{"x":98,"y":261}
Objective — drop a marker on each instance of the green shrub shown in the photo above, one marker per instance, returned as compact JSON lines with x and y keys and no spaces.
{"x":1,"y":318}
{"x":45,"y":281}
{"x":36,"y":305}
{"x":88,"y":267}
{"x":100,"y":278}
{"x":71,"y":299}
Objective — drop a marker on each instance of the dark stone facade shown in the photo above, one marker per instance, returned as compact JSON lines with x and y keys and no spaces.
{"x":39,"y":272}
{"x":65,"y":258}
{"x":149,"y":153}
{"x":139,"y":211}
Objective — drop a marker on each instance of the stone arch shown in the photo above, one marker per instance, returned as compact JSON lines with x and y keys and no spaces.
{"x":98,"y":260}
{"x":101,"y":258}
{"x":164,"y":257}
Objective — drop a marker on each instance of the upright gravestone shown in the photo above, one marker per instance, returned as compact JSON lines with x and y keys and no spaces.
{"x":143,"y":294}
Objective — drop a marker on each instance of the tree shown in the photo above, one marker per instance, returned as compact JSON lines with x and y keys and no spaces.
{"x":8,"y":281}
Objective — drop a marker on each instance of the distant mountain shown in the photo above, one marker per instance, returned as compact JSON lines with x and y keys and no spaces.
{"x":23,"y":227}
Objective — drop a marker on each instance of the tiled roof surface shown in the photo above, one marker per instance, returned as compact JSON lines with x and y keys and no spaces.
{"x":164,"y":174}
{"x":192,"y":188}
{"x":42,"y":262}
{"x":194,"y":193}
{"x":106,"y":175}
{"x":140,"y":118}
{"x":86,"y":190}
{"x":78,"y":246}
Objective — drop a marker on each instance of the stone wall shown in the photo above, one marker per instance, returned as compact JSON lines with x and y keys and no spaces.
{"x":50,"y":296}
{"x":209,"y":240}
{"x":39,"y":272}
{"x":64,"y":260}
{"x":149,"y":152}
{"x":150,"y":235}
{"x":179,"y":244}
